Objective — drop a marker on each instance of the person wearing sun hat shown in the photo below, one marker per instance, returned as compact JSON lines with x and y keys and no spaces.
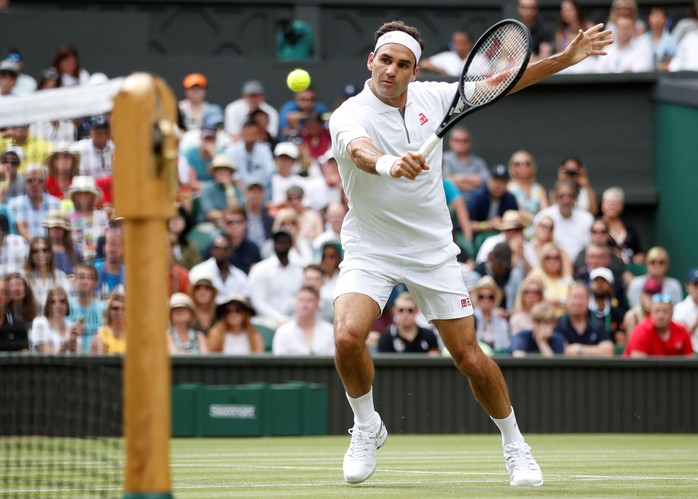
{"x":233,"y":333}
{"x":65,"y":257}
{"x":63,"y":165}
{"x":223,"y":192}
{"x":88,"y":222}
{"x":182,"y":338}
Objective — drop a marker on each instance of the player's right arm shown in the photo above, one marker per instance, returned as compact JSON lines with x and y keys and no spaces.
{"x":369,"y":158}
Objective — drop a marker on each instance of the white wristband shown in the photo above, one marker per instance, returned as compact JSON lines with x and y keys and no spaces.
{"x":384,"y":165}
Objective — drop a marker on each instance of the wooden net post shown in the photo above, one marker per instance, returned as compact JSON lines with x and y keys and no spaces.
{"x":145,"y":180}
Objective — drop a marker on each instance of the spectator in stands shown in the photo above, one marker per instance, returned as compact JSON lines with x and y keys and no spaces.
{"x":530,"y":293}
{"x":642,"y":310}
{"x":404,"y":335}
{"x":571,"y":21}
{"x":259,"y":220}
{"x":605,"y":305}
{"x":315,"y":277}
{"x":9,"y":72}
{"x":301,"y":252}
{"x":572,"y":225}
{"x":53,"y":332}
{"x":325,"y":190}
{"x":657,"y":266}
{"x":659,"y":334}
{"x":541,"y":338}
{"x":41,"y":272}
{"x":196,"y":160}
{"x":252,"y":156}
{"x":572,"y":169}
{"x":185,"y":251}
{"x":584,"y":335}
{"x":238,"y":112}
{"x":306,"y":333}
{"x":275,"y":281}
{"x":88,"y":223}
{"x":212,"y":119}
{"x":686,"y":58}
{"x":63,"y":164}
{"x":22,"y":303}
{"x":630,"y":53}
{"x":492,"y":329}
{"x":489,"y":202}
{"x":294,"y":40}
{"x":178,"y":277}
{"x":661,"y":42}
{"x":541,"y":36}
{"x":194,"y":103}
{"x":595,"y":257}
{"x":182,"y":338}
{"x":110,"y":269}
{"x":450,"y":62}
{"x":111,"y":337}
{"x":600,"y":237}
{"x":511,"y":230}
{"x":245,"y":252}
{"x":96,"y":151}
{"x":286,"y":155}
{"x":223,"y":192}
{"x":460,"y":218}
{"x":58,"y":131}
{"x":331,"y":256}
{"x":554,"y":273}
{"x":530,"y":195}
{"x":292,"y":114}
{"x":203,"y":294}
{"x":461,"y":165}
{"x":227,"y":278}
{"x":688,"y":24}
{"x":334,"y":217}
{"x":624,"y":236}
{"x":25,"y":83}
{"x":316,"y":136}
{"x":542,"y":234}
{"x":625,"y":8}
{"x":686,"y":312}
{"x":34,"y":148}
{"x":67,"y":63}
{"x":14,"y":249}
{"x":13,"y":330}
{"x":508,"y":278}
{"x":86,"y":311}
{"x":29,"y":211}
{"x":9,"y":161}
{"x":233,"y":333}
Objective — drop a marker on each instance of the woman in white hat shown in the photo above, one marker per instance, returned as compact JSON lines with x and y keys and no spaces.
{"x":182,"y":338}
{"x":233,"y":332}
{"x":88,"y":223}
{"x":63,"y":164}
{"x":203,"y":294}
{"x":60,"y":234}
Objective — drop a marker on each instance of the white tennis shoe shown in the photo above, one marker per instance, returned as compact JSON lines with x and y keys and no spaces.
{"x":523,"y":469}
{"x":360,"y":458}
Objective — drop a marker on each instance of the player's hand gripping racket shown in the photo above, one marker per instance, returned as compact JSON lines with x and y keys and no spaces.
{"x":494,"y":65}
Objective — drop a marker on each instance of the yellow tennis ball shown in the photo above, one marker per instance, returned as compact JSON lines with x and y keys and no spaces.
{"x":298,"y":80}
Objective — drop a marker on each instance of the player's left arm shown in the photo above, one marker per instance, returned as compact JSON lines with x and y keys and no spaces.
{"x":586,"y":44}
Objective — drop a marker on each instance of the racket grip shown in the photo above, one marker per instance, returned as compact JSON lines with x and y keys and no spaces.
{"x":428,"y":147}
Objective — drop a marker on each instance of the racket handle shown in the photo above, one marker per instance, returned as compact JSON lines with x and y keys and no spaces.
{"x":428,"y":147}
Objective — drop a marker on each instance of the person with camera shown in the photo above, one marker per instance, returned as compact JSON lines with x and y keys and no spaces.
{"x":573,"y":169}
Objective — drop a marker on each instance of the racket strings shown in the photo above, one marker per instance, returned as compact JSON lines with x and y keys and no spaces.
{"x":495,"y":64}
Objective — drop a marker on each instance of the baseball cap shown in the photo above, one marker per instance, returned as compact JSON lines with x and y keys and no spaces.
{"x":10,"y":66}
{"x":213,"y":116}
{"x":603,"y":273}
{"x":97,"y":121}
{"x":16,"y":150}
{"x":208,"y":131}
{"x":499,"y":171}
{"x":652,"y":286}
{"x":194,"y":79}
{"x":692,"y":275}
{"x":326,"y":157}
{"x":252,"y":87}
{"x":286,"y":149}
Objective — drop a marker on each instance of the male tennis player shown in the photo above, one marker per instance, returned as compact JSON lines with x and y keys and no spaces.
{"x":398,"y":229}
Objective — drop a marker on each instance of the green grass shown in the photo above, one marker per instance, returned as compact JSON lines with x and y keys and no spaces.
{"x":422,"y":466}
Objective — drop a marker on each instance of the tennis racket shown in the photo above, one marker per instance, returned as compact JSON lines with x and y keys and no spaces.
{"x":494,"y":65}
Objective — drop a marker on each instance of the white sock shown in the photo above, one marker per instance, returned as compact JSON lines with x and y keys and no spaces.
{"x":509,"y":428}
{"x":364,"y":413}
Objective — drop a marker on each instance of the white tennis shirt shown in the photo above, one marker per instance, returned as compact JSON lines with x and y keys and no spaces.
{"x":388,"y":214}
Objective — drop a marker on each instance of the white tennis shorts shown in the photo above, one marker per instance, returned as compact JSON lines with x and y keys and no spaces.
{"x":433,"y":279}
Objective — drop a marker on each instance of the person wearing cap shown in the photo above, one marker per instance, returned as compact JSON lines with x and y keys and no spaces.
{"x":596,"y":256}
{"x":10,"y":161}
{"x":182,"y":338}
{"x":605,"y":306}
{"x":14,"y":249}
{"x":658,"y":334}
{"x":9,"y":72}
{"x":686,"y":312}
{"x":511,"y":229}
{"x":657,"y":262}
{"x":226,"y":277}
{"x":584,"y":335}
{"x":238,"y":112}
{"x":212,"y":118}
{"x":306,"y":333}
{"x":60,"y":233}
{"x":292,"y":114}
{"x":29,"y":211}
{"x":542,"y":338}
{"x":399,"y":230}
{"x":34,"y":147}
{"x":641,"y":311}
{"x":96,"y":151}
{"x":223,"y":192}
{"x":233,"y":333}
{"x":88,"y":222}
{"x":490,"y":201}
{"x":203,"y":296}
{"x":461,"y":165}
{"x":286,"y":155}
{"x":253,"y":155}
{"x":63,"y":164}
{"x":25,"y":83}
{"x":194,"y":102}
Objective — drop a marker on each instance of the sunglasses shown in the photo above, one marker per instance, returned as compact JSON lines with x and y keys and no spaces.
{"x":599,"y":231}
{"x":233,"y":222}
{"x":546,"y":226}
{"x":35,"y":180}
{"x":532,"y":292}
{"x":522,"y":163}
{"x":566,"y":196}
{"x":116,"y":309}
{"x":10,"y":162}
{"x":409,"y":310}
{"x":661,"y":298}
{"x":485,"y":297}
{"x":233,"y":310}
{"x":656,"y":262}
{"x":40,"y":250}
{"x":552,"y":257}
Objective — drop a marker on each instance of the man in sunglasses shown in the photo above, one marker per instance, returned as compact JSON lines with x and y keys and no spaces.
{"x":10,"y":160}
{"x":658,"y":335}
{"x":404,"y":335}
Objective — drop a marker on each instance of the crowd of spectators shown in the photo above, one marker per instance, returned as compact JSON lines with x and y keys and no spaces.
{"x":255,"y":243}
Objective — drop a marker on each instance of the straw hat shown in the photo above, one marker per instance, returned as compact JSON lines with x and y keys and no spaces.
{"x":487,"y":282}
{"x":57,"y":218}
{"x":512,"y":219}
{"x":85,"y":183}
{"x":181,"y":300}
{"x":222,"y":161}
{"x":63,"y":148}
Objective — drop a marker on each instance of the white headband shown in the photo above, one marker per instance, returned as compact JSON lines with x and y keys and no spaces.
{"x":401,"y":38}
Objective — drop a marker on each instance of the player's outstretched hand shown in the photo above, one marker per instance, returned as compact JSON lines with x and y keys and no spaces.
{"x":409,"y":165}
{"x":588,"y":43}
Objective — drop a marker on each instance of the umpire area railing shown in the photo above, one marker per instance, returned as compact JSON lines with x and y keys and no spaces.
{"x":414,"y":394}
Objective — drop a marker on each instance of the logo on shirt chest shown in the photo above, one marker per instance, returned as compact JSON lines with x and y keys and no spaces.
{"x":422,"y":119}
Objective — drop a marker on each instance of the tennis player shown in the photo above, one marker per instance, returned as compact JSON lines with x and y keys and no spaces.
{"x":398,"y":230}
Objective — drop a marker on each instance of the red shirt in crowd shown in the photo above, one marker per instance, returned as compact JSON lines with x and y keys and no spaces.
{"x":645,"y":339}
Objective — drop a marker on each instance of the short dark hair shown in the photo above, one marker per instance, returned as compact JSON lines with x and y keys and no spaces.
{"x":399,"y":26}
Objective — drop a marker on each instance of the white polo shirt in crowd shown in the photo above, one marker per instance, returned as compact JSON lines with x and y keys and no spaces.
{"x":571,"y":234}
{"x":290,"y":340}
{"x":398,"y":215}
{"x":448,"y":61}
{"x":686,"y":313}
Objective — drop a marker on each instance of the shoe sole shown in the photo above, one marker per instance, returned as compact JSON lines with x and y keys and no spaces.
{"x":537,"y":484}
{"x":381,"y":442}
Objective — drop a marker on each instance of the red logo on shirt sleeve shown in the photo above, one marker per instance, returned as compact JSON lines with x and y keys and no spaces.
{"x":422,"y":119}
{"x":465,"y":302}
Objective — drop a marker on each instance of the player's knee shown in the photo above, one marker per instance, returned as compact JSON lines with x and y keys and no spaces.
{"x":348,"y":337}
{"x":470,"y":358}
